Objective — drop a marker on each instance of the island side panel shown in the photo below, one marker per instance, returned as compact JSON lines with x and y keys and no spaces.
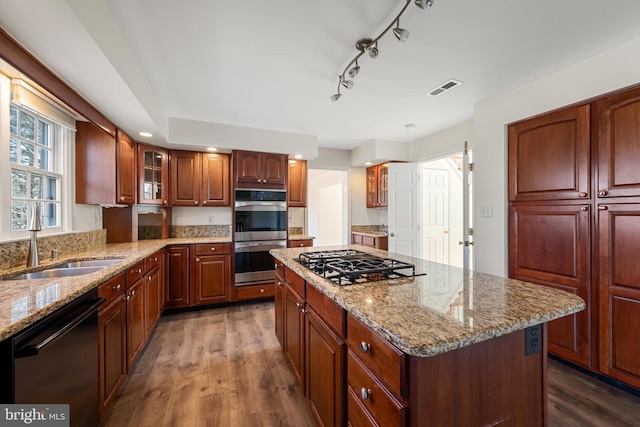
{"x":489,"y":383}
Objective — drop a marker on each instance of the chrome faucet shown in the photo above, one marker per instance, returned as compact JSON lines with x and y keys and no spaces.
{"x":34,"y":227}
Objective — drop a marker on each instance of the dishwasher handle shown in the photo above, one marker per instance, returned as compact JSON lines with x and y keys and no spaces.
{"x":34,"y":349}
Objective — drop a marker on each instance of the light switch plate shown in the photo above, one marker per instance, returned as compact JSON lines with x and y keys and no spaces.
{"x":485,"y":211}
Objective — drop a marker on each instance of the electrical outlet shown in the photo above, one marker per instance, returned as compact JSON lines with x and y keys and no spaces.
{"x":211,"y":219}
{"x":532,"y":340}
{"x":485,"y":211}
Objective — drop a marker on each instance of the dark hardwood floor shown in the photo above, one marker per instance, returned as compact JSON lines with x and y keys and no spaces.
{"x":224,"y":367}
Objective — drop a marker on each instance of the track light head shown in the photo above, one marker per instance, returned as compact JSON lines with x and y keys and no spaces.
{"x":354,"y":71}
{"x":373,"y":50}
{"x":401,"y":34}
{"x":335,"y":97}
{"x":347,"y":83}
{"x":424,"y":4}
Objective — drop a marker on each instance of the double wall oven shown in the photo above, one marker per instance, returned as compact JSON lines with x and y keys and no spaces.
{"x":260,"y":225}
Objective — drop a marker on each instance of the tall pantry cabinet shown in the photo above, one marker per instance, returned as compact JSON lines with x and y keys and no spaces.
{"x":574,"y":224}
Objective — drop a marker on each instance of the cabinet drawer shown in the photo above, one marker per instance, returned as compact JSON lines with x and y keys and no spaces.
{"x":299,"y":243}
{"x":112,"y":288}
{"x":373,"y":396}
{"x":330,"y":313}
{"x":152,"y":261}
{"x":356,"y":413}
{"x":356,"y":238}
{"x":369,"y":241}
{"x":386,"y":361}
{"x":296,"y":282}
{"x":212,"y":249}
{"x":253,"y":292}
{"x":134,"y":273}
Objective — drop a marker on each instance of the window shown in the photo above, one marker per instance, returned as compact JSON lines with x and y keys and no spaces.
{"x":35,"y":177}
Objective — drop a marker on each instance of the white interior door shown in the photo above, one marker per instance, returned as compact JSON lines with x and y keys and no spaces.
{"x":404,"y":199}
{"x":435,"y":227}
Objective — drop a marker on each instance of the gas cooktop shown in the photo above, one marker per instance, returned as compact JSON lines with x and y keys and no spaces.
{"x":350,"y":266}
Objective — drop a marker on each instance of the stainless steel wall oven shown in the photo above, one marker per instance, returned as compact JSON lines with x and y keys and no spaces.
{"x":260,"y":222}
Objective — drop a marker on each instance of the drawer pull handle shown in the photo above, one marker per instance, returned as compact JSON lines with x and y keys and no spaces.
{"x":261,"y":290}
{"x":603,"y":208}
{"x":116,"y":287}
{"x":301,"y":244}
{"x":279,"y":283}
{"x":365,"y":393}
{"x":303,"y":311}
{"x":365,"y":346}
{"x":213,"y":249}
{"x":298,"y":305}
{"x":602,"y":193}
{"x":583,"y":194}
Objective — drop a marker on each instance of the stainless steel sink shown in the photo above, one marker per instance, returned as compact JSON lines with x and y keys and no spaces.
{"x":57,"y":272}
{"x":90,"y":263}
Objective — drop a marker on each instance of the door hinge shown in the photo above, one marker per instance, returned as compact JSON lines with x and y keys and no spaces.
{"x":470,"y":167}
{"x":470,"y":231}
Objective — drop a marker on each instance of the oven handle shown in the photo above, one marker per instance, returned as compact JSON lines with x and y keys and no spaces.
{"x":260,"y":206}
{"x":260,"y":246}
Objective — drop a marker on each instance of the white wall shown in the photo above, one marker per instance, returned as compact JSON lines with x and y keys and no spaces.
{"x":613,"y":69}
{"x":442,"y":144}
{"x":327,"y":201}
{"x":360,"y":215}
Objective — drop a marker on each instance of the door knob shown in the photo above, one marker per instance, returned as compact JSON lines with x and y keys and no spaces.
{"x":392,"y":234}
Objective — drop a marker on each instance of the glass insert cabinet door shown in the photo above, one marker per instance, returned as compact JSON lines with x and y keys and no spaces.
{"x":153,"y":175}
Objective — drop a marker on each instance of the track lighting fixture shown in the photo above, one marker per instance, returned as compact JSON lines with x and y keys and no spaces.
{"x":370,"y":46}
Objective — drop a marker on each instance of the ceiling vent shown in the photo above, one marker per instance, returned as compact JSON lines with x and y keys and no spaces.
{"x":445,"y":87}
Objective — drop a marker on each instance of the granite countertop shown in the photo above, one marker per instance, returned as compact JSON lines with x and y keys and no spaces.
{"x":23,"y":302}
{"x":300,"y":237}
{"x":445,"y":309}
{"x":371,"y":233}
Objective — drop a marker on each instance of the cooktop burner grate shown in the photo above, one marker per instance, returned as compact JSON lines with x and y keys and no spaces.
{"x":350,"y":266}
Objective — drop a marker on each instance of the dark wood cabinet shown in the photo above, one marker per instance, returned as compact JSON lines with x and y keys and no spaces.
{"x":185,"y":178}
{"x":112,"y":341}
{"x":211,"y":274}
{"x":260,"y":170}
{"x":549,"y":156}
{"x":618,"y":119}
{"x":619,"y":291}
{"x":215,"y":179}
{"x":297,"y":184}
{"x":279,"y":303}
{"x":177,"y":288}
{"x":105,"y":166}
{"x":153,"y":175}
{"x":551,"y":245}
{"x":136,"y":331}
{"x":378,"y":242}
{"x":377,"y":183}
{"x":294,"y":331}
{"x":300,"y":243}
{"x":154,"y":294}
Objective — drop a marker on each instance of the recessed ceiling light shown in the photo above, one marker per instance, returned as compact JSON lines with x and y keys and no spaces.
{"x":410,"y":126}
{"x":212,"y":149}
{"x":367,"y":164}
{"x":145,"y":134}
{"x":298,"y":156}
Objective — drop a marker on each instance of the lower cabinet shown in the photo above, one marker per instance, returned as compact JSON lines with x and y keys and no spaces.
{"x":112,"y":341}
{"x":177,"y":294}
{"x":300,"y":243}
{"x":210,"y":280}
{"x":154,"y":291}
{"x":378,"y":242}
{"x":312,"y":330}
{"x":136,"y":330}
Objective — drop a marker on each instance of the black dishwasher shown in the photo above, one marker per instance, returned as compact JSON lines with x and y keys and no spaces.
{"x":55,"y":361}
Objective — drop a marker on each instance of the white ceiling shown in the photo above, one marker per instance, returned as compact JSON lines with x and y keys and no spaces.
{"x":272,"y":65}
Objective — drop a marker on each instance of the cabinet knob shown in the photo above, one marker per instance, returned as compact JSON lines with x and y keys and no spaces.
{"x":303,"y":311}
{"x":301,"y":244}
{"x":365,"y":393}
{"x":262,"y":290}
{"x":133,"y":293}
{"x":279,"y":283}
{"x":121,"y":198}
{"x":195,"y":202}
{"x":197,"y":259}
{"x":602,"y":193}
{"x":116,"y":287}
{"x":392,"y":234}
{"x":583,"y":194}
{"x":365,"y":346}
{"x":164,"y":202}
{"x":298,"y":305}
{"x":583,"y":208}
{"x":603,"y":208}
{"x":204,"y":203}
{"x":213,"y":249}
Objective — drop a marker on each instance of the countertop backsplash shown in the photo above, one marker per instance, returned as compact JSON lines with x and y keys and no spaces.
{"x":186,"y":231}
{"x":368,"y":228}
{"x":14,"y":254}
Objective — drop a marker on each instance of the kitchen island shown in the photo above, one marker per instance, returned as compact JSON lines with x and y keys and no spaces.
{"x":446,"y":347}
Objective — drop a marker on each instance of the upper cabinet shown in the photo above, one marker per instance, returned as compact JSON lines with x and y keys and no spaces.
{"x":618,"y":119}
{"x":549,"y":157}
{"x":105,"y":166}
{"x":199,"y":179}
{"x":153,"y":175}
{"x":297,"y":187}
{"x":260,"y":170}
{"x":378,"y":186}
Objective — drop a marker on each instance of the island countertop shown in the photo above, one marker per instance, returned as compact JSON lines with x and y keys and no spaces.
{"x":444,"y":309}
{"x":23,"y":302}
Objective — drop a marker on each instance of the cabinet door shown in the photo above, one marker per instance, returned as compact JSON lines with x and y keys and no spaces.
{"x":619,"y":292}
{"x":294,"y":332}
{"x":325,"y":372}
{"x":279,"y":309}
{"x":177,"y":277}
{"x":153,"y":175}
{"x":153,"y":299}
{"x":185,"y":178}
{"x":383,"y":185}
{"x":126,"y":169}
{"x":297,"y":184}
{"x":112,"y":356}
{"x":136,"y":330}
{"x":618,"y":119}
{"x":215,"y":180}
{"x":95,"y":165}
{"x":551,"y":246}
{"x":248,"y":167}
{"x":210,"y":279}
{"x":372,"y":187}
{"x":274,"y":168}
{"x":549,"y":156}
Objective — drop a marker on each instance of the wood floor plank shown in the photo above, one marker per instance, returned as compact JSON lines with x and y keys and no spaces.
{"x":224,"y":367}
